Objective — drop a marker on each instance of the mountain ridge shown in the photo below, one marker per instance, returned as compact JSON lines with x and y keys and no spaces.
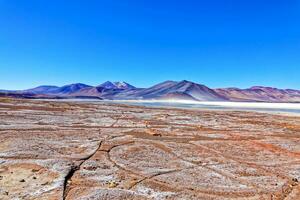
{"x":177,"y":90}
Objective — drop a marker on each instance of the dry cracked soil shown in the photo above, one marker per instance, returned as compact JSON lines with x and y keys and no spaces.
{"x":84,"y":150}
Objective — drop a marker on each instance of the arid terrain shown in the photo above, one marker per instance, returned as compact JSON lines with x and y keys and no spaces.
{"x":80,"y":150}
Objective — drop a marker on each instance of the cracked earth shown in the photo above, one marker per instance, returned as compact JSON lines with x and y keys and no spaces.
{"x":83,"y":150}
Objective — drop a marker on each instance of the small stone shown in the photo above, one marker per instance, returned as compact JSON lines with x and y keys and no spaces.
{"x":295,"y":180}
{"x":22,"y":181}
{"x":46,"y":183}
{"x":112,"y":184}
{"x":157,"y":134}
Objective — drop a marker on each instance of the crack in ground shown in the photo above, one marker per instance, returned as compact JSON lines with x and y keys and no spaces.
{"x":75,"y":168}
{"x":114,"y":123}
{"x":194,"y":165}
{"x":157,"y":174}
{"x":114,"y":162}
{"x":286,"y":189}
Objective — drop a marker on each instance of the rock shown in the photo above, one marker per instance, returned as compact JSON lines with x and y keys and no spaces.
{"x":112,"y":184}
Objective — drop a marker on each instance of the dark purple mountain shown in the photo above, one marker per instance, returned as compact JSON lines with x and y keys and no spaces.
{"x":54,"y":90}
{"x":43,"y":89}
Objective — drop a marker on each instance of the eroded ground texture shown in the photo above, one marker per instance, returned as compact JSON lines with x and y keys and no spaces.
{"x":64,"y":150}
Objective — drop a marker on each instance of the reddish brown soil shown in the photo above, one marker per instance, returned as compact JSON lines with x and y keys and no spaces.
{"x":64,"y":150}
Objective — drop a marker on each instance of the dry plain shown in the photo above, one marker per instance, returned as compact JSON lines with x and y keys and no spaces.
{"x":79,"y":150}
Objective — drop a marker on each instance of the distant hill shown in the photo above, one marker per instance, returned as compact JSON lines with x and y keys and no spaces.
{"x":43,"y":89}
{"x":182,"y":90}
{"x":54,"y":90}
{"x":259,"y":93}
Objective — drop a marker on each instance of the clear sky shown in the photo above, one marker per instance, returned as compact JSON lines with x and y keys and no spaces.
{"x":219,"y":43}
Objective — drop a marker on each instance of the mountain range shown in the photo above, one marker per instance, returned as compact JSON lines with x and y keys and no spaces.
{"x":175,"y":90}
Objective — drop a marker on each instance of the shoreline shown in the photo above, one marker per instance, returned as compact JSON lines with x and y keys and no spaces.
{"x":213,"y":107}
{"x":289,"y":109}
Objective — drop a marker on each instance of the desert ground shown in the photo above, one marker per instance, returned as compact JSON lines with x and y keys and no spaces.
{"x":80,"y":150}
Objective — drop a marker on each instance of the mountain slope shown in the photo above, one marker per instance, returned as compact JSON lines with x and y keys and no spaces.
{"x":43,"y":89}
{"x":123,"y":85}
{"x":106,"y":90}
{"x":197,"y":91}
{"x":54,"y":90}
{"x":174,"y":90}
{"x":116,"y":85}
{"x":69,"y":89}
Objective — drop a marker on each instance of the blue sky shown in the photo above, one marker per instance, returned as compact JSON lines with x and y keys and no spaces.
{"x":219,"y":43}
